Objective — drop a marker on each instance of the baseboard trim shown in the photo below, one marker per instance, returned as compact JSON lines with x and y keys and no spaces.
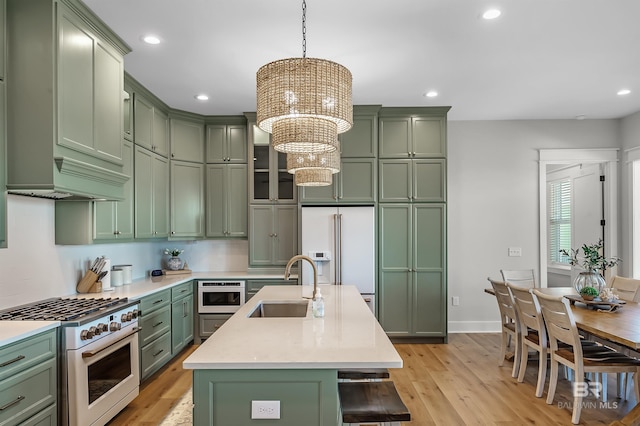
{"x":474,"y":327}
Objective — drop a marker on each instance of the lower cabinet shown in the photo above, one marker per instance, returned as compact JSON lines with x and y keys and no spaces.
{"x":181,"y":316}
{"x":28,"y":381}
{"x":155,"y":333}
{"x":209,"y":324}
{"x":254,"y":286}
{"x":412,"y":278}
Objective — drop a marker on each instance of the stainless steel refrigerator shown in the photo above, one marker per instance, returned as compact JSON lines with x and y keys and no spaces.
{"x":341,"y":241}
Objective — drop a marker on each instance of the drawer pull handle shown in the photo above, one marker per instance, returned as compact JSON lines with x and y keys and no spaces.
{"x":158,"y":353}
{"x":158,"y":301}
{"x":14,"y":402}
{"x":155,"y":325}
{"x":11,"y":361}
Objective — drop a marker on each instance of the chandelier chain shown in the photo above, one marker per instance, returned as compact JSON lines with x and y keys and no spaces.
{"x":304,"y":29}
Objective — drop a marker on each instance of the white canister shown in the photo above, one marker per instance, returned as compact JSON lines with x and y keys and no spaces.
{"x":106,"y":280}
{"x":126,"y":273}
{"x":117,"y":277}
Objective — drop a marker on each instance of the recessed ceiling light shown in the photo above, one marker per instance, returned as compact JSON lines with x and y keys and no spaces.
{"x":151,"y":39}
{"x":202,"y":97}
{"x":624,"y":92}
{"x":431,"y":94}
{"x":491,"y":14}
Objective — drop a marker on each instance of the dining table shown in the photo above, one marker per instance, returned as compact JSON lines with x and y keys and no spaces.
{"x":620,"y":327}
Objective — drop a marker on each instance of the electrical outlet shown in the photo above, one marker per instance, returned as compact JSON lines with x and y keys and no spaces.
{"x":515,"y":251}
{"x":265,"y":409}
{"x":455,"y":301}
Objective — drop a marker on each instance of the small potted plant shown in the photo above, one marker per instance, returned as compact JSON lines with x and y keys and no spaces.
{"x":588,"y":293}
{"x":174,"y":263}
{"x":593,"y":263}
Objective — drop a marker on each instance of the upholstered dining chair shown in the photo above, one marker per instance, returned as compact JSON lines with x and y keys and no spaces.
{"x":562,"y":329}
{"x":510,"y":325}
{"x":519,"y":277}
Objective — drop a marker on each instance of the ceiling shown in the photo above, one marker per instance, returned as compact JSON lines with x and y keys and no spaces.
{"x":541,"y":59}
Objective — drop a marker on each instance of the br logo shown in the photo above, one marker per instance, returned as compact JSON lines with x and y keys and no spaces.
{"x":584,"y":389}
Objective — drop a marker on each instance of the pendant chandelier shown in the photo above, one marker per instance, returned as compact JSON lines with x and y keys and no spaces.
{"x":304,"y":102}
{"x":312,"y":169}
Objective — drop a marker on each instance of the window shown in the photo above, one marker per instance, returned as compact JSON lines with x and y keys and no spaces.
{"x":559,"y":205}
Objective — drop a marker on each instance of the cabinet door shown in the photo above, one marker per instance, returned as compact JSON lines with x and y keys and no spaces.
{"x":429,"y":252}
{"x":357,"y":180}
{"x":226,"y":143}
{"x":429,"y":136}
{"x":395,"y":137}
{"x":428,"y":180}
{"x":321,"y":194}
{"x":237,"y":143}
{"x":261,"y":235}
{"x":216,"y":141}
{"x":236,"y":200}
{"x":216,"y":205}
{"x":181,"y":323}
{"x":3,"y":167}
{"x":160,"y":196}
{"x":187,"y":140}
{"x":75,"y":83}
{"x":361,"y":140}
{"x":124,"y":208}
{"x":143,"y":198}
{"x":143,"y":122}
{"x":187,"y":199}
{"x":108,"y":103}
{"x":286,"y":234}
{"x":395,"y":180}
{"x":104,"y":220}
{"x":160,"y":139}
{"x":127,"y":113}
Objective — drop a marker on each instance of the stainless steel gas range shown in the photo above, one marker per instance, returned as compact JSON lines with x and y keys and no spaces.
{"x":98,"y":363}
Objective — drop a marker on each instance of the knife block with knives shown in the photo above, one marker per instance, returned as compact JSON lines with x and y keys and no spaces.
{"x":90,"y":282}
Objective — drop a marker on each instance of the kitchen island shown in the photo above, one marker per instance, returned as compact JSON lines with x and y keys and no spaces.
{"x":290,"y":361}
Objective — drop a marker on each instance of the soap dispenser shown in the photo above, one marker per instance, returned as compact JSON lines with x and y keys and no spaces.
{"x":318,"y":305}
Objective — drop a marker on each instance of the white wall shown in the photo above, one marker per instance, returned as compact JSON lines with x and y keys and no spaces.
{"x":34,"y":268}
{"x":493,"y":203}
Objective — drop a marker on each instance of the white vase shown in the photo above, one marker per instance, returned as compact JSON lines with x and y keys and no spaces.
{"x":589,"y":279}
{"x":174,"y":263}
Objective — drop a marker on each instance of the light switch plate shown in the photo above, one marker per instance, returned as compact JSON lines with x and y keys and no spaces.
{"x":515,"y":251}
{"x":265,"y":409}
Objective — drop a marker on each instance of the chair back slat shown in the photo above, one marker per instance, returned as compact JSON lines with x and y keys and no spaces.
{"x":626,"y":288}
{"x":528,"y":311}
{"x":519,"y":277}
{"x":505,"y":301}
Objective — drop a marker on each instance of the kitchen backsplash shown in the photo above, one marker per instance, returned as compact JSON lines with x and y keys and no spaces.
{"x":34,"y":268}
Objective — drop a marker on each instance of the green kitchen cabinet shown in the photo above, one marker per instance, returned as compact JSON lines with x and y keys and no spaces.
{"x":187,"y":199}
{"x":151,"y":126}
{"x":155,"y":332}
{"x":3,"y":167}
{"x":151,"y":199}
{"x":354,"y":184}
{"x":269,"y":180}
{"x":254,"y":286}
{"x":127,"y":112}
{"x":273,"y":234}
{"x":181,"y":316}
{"x":187,"y":139}
{"x":413,"y":132}
{"x":362,"y":139}
{"x":65,"y":123}
{"x":3,"y":37}
{"x":227,"y":142}
{"x":418,"y":180}
{"x":226,"y":200}
{"x":412,"y":262}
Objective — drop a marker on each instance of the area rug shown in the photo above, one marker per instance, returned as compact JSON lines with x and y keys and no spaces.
{"x":182,"y":413}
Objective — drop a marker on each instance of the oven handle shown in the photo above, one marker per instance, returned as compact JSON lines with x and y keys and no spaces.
{"x":89,"y":354}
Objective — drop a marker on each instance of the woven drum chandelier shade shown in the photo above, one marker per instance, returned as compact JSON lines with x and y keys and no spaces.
{"x":326,"y":160}
{"x":313,"y":177}
{"x":304,"y":87}
{"x":304,"y":134}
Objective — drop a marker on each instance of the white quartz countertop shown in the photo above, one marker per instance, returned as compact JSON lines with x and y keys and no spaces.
{"x":349,"y":336}
{"x":12,"y":331}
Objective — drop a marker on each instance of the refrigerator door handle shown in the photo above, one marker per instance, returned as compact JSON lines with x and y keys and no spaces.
{"x":338,"y":239}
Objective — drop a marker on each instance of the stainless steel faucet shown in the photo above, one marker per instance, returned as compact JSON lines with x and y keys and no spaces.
{"x":294,"y":259}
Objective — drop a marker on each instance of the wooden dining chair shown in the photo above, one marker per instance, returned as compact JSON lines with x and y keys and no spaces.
{"x":562,"y":329}
{"x":510,"y":325}
{"x":626,"y":288}
{"x":519,"y":277}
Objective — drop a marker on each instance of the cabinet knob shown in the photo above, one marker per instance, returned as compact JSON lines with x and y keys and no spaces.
{"x":275,"y":235}
{"x":116,"y":233}
{"x":173,"y":233}
{"x":172,"y":155}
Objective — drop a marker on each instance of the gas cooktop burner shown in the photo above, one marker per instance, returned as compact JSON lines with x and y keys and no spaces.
{"x":59,"y":309}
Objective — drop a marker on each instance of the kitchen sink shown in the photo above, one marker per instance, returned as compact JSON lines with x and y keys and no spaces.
{"x":280,"y":309}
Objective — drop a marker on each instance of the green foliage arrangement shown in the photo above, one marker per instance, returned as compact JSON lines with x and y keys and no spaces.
{"x":588,"y":291}
{"x":592,"y":257}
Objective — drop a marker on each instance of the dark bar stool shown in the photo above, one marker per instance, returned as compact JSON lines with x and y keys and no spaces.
{"x":372,"y":402}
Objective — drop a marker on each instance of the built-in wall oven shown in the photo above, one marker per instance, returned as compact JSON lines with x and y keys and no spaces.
{"x":217,"y":301}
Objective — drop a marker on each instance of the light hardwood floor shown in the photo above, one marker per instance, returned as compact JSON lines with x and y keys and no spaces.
{"x":458,"y":383}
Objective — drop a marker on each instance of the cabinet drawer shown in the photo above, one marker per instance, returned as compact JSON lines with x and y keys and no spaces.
{"x":181,"y":290}
{"x":155,"y":355}
{"x":46,"y":417}
{"x":255,"y":285}
{"x":155,"y":324}
{"x":209,"y":324}
{"x":27,"y":353}
{"x":155,"y":301}
{"x":27,"y":392}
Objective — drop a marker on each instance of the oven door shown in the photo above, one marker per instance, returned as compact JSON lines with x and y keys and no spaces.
{"x":220,"y":300}
{"x":103,"y":378}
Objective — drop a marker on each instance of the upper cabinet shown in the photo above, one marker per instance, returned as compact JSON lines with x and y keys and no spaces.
{"x":361,"y":141}
{"x":227,"y":140}
{"x":413,"y":132}
{"x":67,"y":73}
{"x":151,"y":126}
{"x":127,"y":113}
{"x":187,"y":139}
